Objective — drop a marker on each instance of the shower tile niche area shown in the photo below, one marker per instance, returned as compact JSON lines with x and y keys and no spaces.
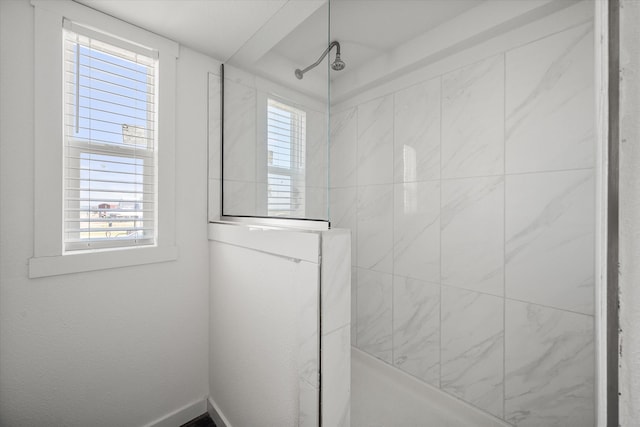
{"x":468,"y":186}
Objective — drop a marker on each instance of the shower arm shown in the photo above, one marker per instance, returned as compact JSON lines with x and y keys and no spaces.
{"x":326,"y":51}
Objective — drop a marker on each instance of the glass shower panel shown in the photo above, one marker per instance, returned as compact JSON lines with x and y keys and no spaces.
{"x":274,"y":138}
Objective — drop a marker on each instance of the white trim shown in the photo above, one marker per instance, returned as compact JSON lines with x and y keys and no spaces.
{"x":48,"y":130}
{"x":181,"y":415}
{"x":294,"y":244}
{"x":92,"y":18}
{"x":216,"y":414}
{"x":99,"y":260}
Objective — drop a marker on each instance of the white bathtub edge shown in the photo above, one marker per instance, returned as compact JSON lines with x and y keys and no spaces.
{"x":462,"y":409}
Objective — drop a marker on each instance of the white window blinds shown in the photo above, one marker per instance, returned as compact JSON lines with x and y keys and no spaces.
{"x":286,"y":136}
{"x":110,"y":127}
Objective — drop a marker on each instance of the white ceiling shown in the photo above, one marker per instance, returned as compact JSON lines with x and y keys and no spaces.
{"x":271,"y":38}
{"x":367,"y":28}
{"x":221,"y":28}
{"x":218,"y":28}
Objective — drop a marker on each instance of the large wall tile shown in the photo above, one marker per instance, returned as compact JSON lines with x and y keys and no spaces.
{"x":549,"y":367}
{"x":239,"y":135}
{"x":343,"y":148}
{"x":375,"y":228}
{"x":316,"y":203}
{"x":416,"y":328}
{"x":472,"y":223}
{"x":473,"y":120}
{"x":375,"y":141}
{"x":342,"y":213}
{"x":417,"y":132}
{"x":416,"y":230}
{"x":336,"y":279}
{"x":336,"y":378}
{"x":550,"y":228}
{"x":354,"y":306}
{"x":316,"y":150}
{"x":550,"y":103}
{"x":374,"y":327}
{"x":239,"y":197}
{"x":472,"y":348}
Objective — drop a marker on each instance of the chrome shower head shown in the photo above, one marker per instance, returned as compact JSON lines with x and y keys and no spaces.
{"x":336,"y":65}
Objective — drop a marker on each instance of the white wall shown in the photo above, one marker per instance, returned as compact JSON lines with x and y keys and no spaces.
{"x":629,"y":214}
{"x":120,"y":347}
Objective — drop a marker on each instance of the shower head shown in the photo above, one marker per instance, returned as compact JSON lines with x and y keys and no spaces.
{"x":337,"y":65}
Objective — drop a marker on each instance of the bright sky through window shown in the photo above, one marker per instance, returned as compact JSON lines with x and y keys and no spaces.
{"x":109,"y":145}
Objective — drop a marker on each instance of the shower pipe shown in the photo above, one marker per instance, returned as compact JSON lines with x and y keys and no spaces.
{"x":337,"y":65}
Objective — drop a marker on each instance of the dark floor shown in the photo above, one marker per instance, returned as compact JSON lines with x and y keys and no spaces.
{"x":203,"y":420}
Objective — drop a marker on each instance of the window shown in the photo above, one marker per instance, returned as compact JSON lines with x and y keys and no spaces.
{"x":104,"y":142}
{"x":109,"y":142}
{"x":286,"y":135}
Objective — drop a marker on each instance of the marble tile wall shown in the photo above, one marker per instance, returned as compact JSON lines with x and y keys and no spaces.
{"x":470,"y":198}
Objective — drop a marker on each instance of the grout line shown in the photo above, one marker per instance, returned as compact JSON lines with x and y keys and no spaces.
{"x":356,"y":117}
{"x":440,"y":231}
{"x":504,"y":237}
{"x":393,"y":229}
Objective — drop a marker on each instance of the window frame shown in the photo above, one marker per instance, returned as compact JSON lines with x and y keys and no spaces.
{"x":49,"y":256}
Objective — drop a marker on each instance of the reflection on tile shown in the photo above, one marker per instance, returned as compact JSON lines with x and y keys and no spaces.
{"x":550,"y":228}
{"x":375,"y":141}
{"x":416,"y":230}
{"x":472,"y":223}
{"x":239,"y":134}
{"x":239,"y":198}
{"x":375,"y":227}
{"x":343,"y":213}
{"x":549,"y":103}
{"x":214,"y":126}
{"x":472,"y":348}
{"x":416,"y":328}
{"x":336,"y":378}
{"x":473,"y":120}
{"x":374,"y":328}
{"x":343,"y":143}
{"x":316,"y":149}
{"x":549,"y":367}
{"x":336,"y":279}
{"x":417,"y":132}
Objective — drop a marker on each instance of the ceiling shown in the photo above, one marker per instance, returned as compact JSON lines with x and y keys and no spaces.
{"x":379,"y":38}
{"x":218,"y":28}
{"x":221,"y":28}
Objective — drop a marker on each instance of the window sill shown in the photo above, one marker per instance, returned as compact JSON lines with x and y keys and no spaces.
{"x":99,"y":260}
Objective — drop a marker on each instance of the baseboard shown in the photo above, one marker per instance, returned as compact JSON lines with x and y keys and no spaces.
{"x":216,"y":414}
{"x":181,"y":415}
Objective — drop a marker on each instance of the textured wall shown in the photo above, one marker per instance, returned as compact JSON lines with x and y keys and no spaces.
{"x":471,"y":200}
{"x":630,"y":213}
{"x":119,"y":347}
